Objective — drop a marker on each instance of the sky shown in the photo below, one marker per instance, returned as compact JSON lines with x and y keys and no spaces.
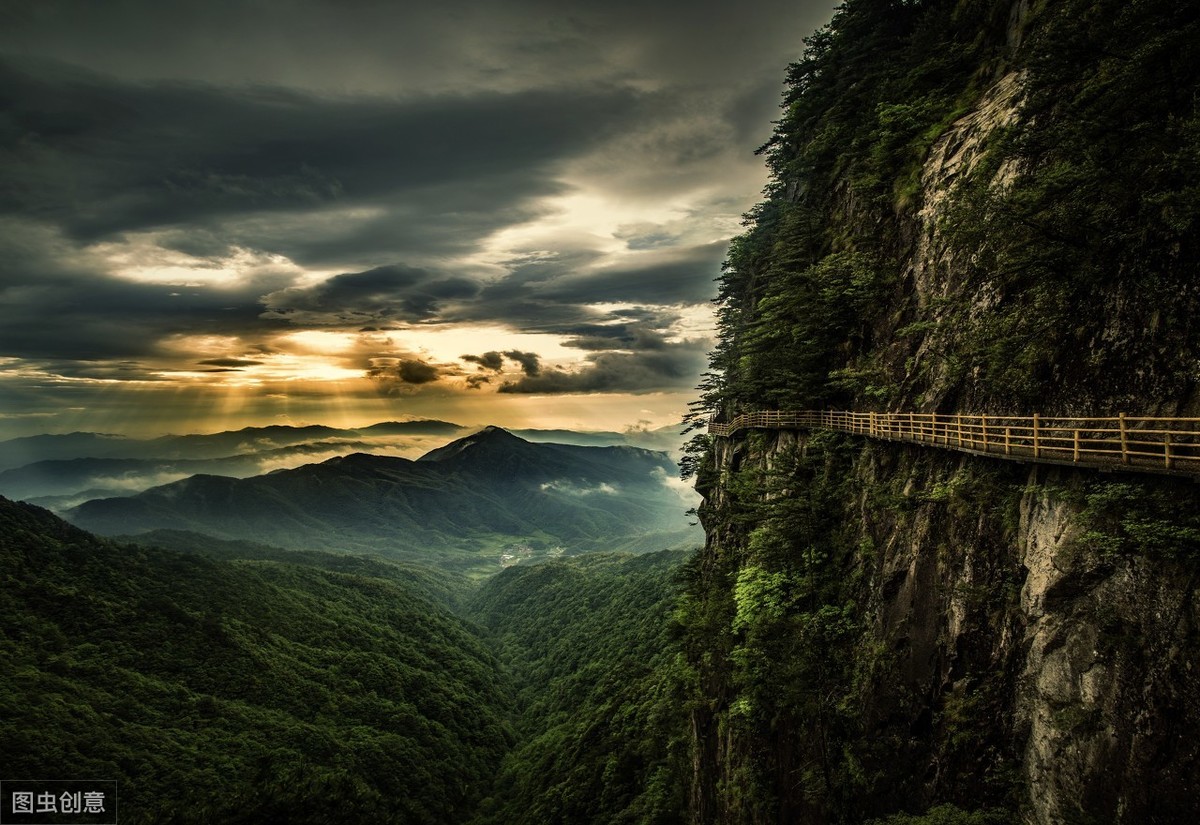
{"x":222,"y":214}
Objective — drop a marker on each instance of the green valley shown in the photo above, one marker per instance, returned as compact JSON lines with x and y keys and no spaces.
{"x":601,"y":692}
{"x":234,"y":682}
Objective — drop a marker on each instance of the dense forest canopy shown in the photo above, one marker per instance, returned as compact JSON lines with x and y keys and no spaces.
{"x":601,"y":691}
{"x":240,"y":690}
{"x":236,"y":682}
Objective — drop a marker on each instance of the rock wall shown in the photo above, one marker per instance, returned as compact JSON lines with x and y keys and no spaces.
{"x":1108,"y":701}
{"x":1011,"y":658}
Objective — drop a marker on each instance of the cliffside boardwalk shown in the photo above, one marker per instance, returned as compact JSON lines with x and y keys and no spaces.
{"x":1123,"y":443}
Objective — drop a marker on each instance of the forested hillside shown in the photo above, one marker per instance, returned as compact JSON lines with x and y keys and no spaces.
{"x":235,"y":682}
{"x":978,"y":206}
{"x":600,"y":691}
{"x":239,"y":691}
{"x":975,"y":205}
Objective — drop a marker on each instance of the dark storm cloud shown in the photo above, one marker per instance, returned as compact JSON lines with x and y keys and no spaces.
{"x":416,"y":372}
{"x":551,"y":295}
{"x":671,"y":368}
{"x":55,"y":310}
{"x":433,"y":47}
{"x":432,"y":220}
{"x":105,"y":370}
{"x":669,"y":277}
{"x":229,"y":362}
{"x":489,"y":360}
{"x":386,"y":293}
{"x":98,"y":157}
{"x":402,"y":375}
{"x":529,"y":362}
{"x":625,"y":336}
{"x":530,"y":365}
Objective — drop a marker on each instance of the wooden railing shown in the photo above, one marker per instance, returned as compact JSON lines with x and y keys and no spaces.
{"x":1164,"y":445}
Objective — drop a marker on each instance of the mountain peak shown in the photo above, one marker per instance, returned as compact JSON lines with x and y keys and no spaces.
{"x":490,"y":436}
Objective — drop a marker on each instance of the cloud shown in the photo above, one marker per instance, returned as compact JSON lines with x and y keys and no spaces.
{"x":529,"y":362}
{"x":377,"y":296}
{"x":134,"y":482}
{"x":686,"y":490}
{"x":670,"y":368}
{"x":570,"y":488}
{"x":673,"y":276}
{"x":315,"y":178}
{"x":394,"y":376}
{"x":60,"y":303}
{"x":416,"y":372}
{"x":567,"y":294}
{"x":229,"y":362}
{"x":378,"y":48}
{"x":489,"y":360}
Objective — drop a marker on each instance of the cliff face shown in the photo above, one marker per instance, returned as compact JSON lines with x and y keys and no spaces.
{"x":1013,"y":648}
{"x":1008,"y":651}
{"x":881,"y":628}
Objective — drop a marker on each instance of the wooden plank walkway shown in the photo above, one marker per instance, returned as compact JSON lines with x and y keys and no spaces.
{"x":1122,"y":443}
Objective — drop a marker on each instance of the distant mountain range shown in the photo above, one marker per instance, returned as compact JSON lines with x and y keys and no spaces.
{"x":458,"y":507}
{"x":62,"y":471}
{"x":62,"y":483}
{"x":18,"y":452}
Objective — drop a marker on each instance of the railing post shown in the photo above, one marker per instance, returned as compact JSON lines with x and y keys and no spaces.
{"x":1124,"y":442}
{"x":958,"y":418}
{"x":985,"y":433}
{"x":1075,"y":457}
{"x":1167,"y":450}
{"x":1008,"y":440}
{"x":873,"y":432}
{"x":1037,"y":450}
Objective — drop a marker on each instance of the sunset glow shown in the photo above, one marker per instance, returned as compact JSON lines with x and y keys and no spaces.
{"x":316,"y":233}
